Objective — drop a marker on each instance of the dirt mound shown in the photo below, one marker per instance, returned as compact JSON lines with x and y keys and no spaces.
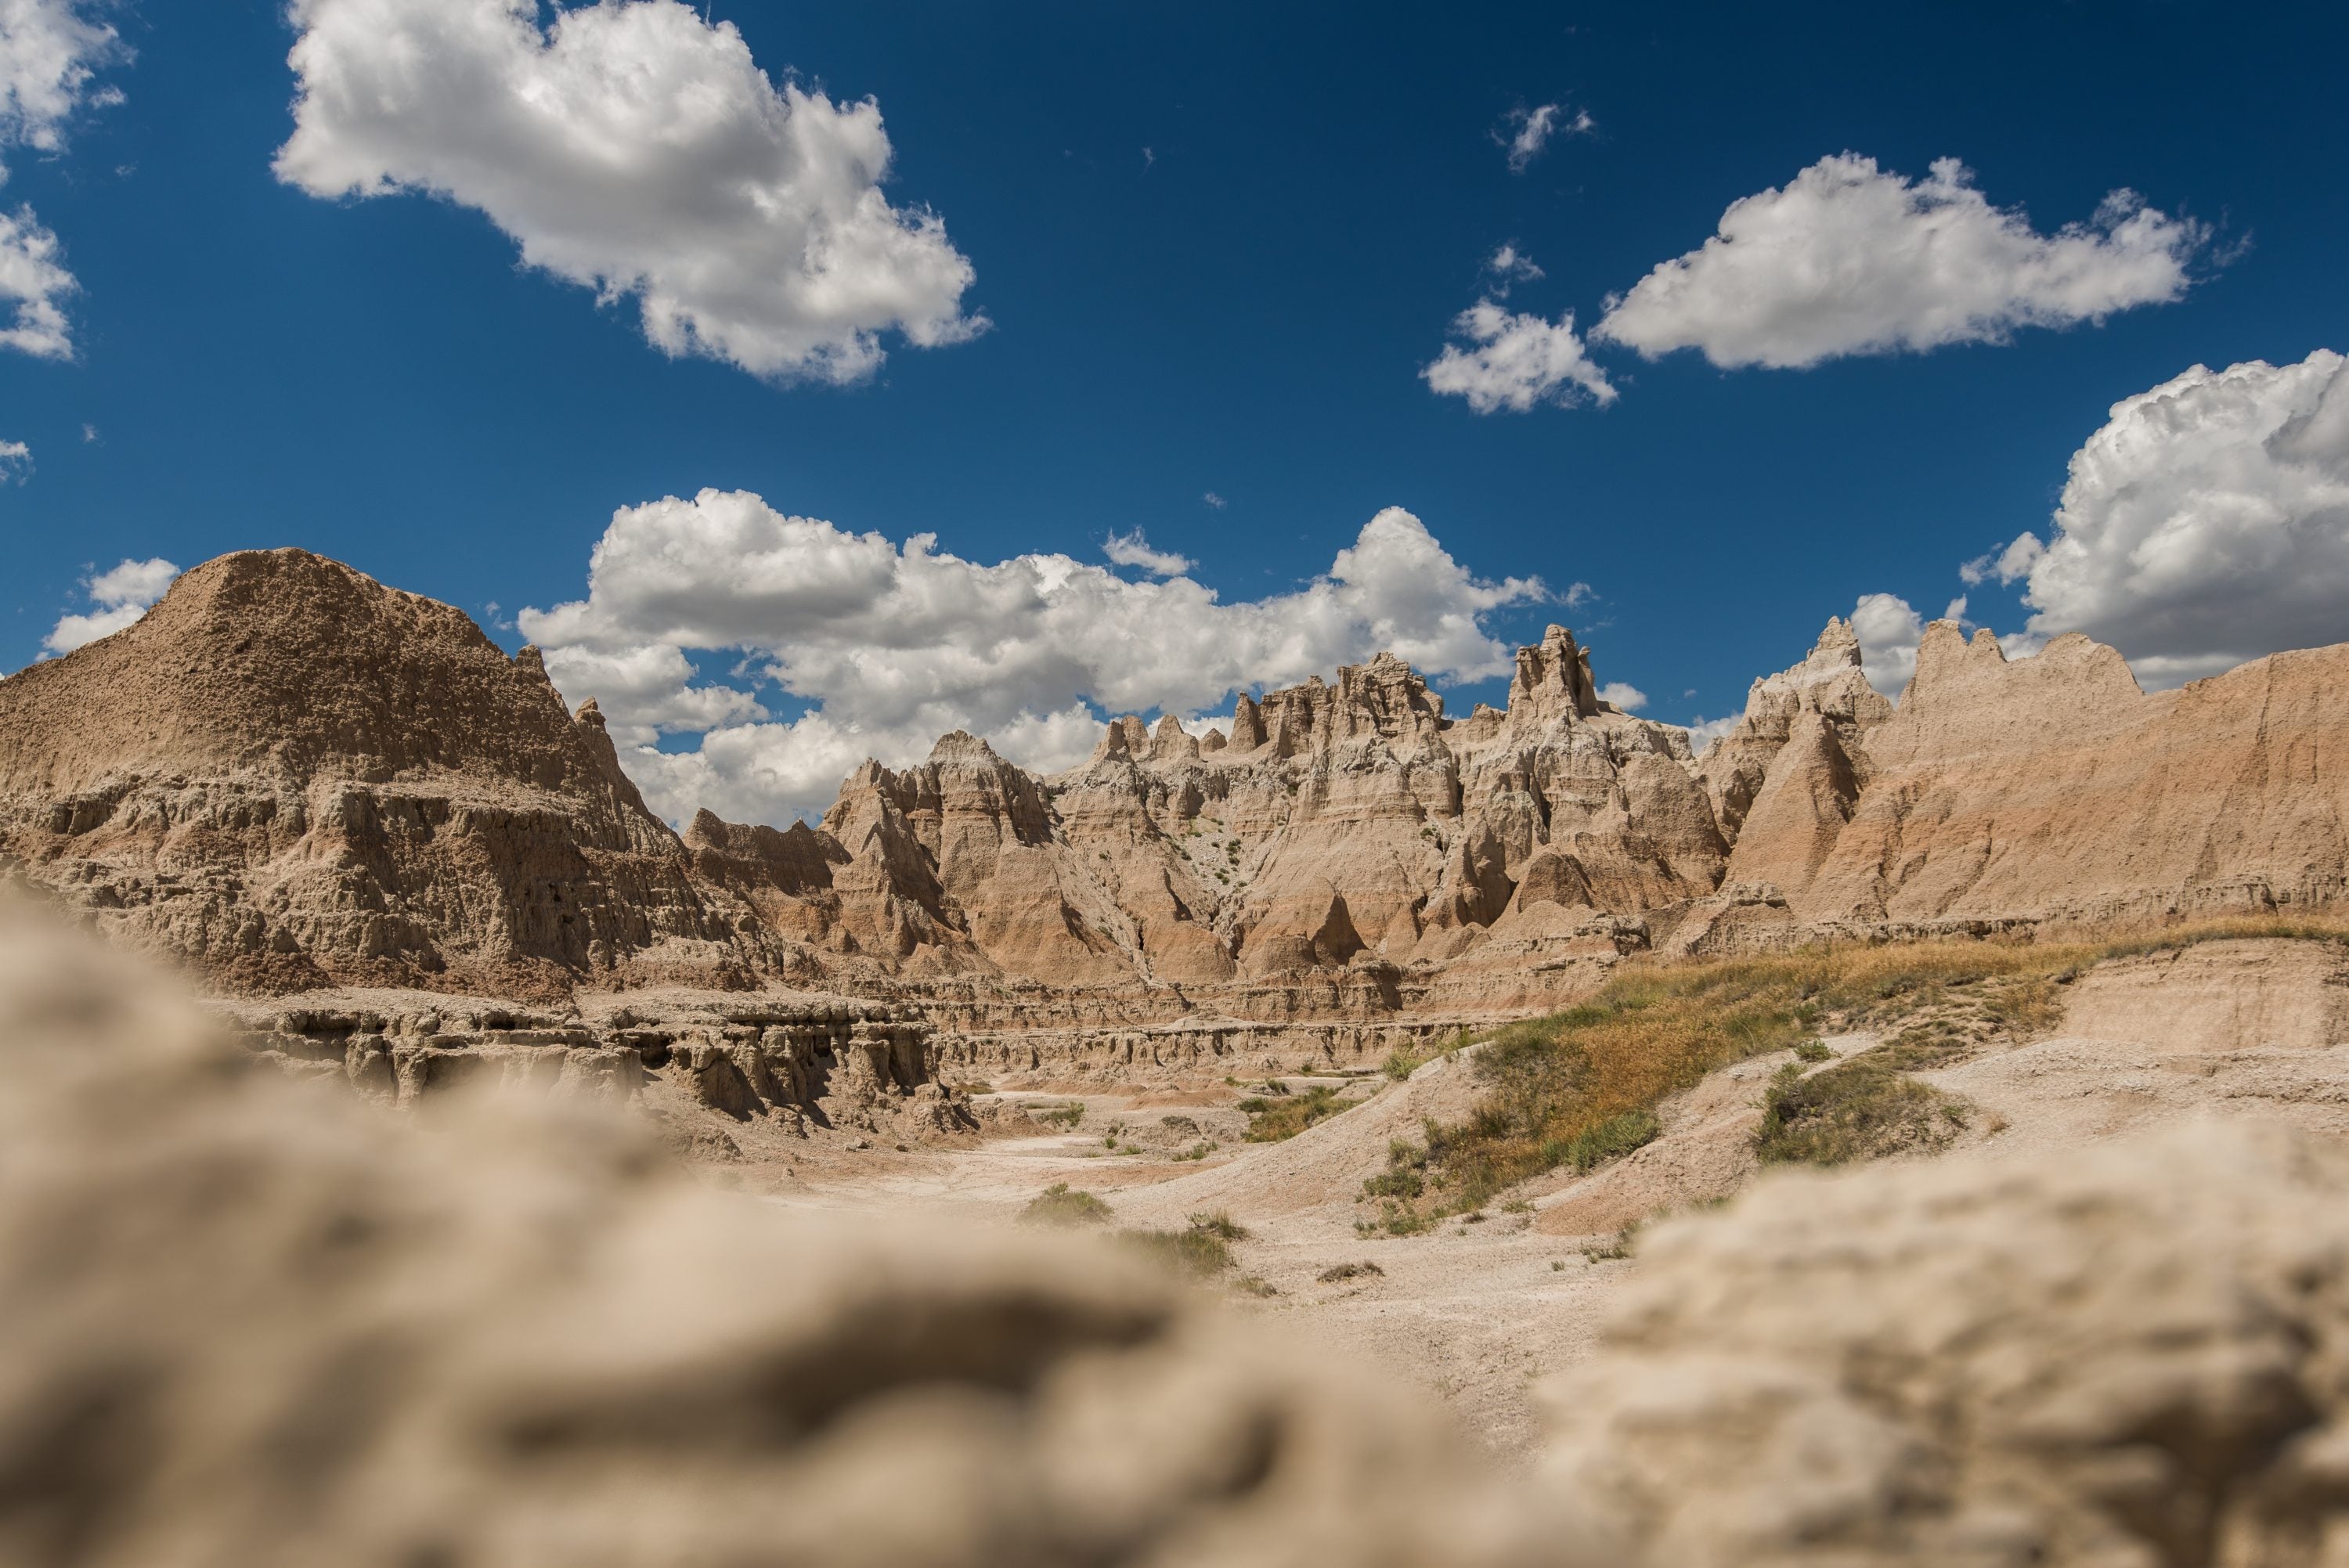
{"x":255,"y":1324}
{"x":2130,"y":1353}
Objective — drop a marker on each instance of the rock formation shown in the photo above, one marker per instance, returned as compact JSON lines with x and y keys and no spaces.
{"x":1345,"y":850}
{"x":256,"y":1326}
{"x":2129,"y":1353}
{"x":293,"y":777}
{"x":2044,"y":792}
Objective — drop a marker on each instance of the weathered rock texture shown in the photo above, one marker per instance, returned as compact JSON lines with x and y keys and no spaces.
{"x":788,"y":1056}
{"x":2044,"y":792}
{"x":292,"y":777}
{"x":1348,"y":854}
{"x":2136,"y":1354}
{"x":255,"y":1326}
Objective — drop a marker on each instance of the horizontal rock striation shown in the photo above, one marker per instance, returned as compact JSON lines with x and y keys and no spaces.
{"x":293,"y":778}
{"x":290,"y":775}
{"x":2039,"y":793}
{"x":835,"y":1061}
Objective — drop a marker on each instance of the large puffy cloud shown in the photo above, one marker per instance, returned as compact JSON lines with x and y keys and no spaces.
{"x":118,"y":597}
{"x":50,"y":58}
{"x":2206,"y":523}
{"x":1851,"y":259}
{"x":632,"y":148}
{"x":885,"y":647}
{"x":1517,"y":362}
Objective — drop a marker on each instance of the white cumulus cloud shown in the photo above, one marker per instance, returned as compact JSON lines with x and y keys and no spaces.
{"x":2206,"y":523}
{"x":16,"y":460}
{"x":629,"y":147}
{"x":1623,"y":694}
{"x":1704,"y":732}
{"x":1889,"y":630}
{"x":883,"y":647}
{"x":1850,"y":259}
{"x":50,"y":54}
{"x":1517,"y":362}
{"x":1134,"y":550}
{"x":1530,"y":129}
{"x":118,"y":596}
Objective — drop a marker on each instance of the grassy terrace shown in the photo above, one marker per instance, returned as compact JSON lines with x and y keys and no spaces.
{"x":1582,"y":1087}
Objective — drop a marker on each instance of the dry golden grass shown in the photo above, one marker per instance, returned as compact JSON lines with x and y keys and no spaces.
{"x":1583,"y":1085}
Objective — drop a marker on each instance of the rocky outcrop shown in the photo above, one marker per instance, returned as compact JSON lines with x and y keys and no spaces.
{"x":1348,"y":853}
{"x":254,"y":1325}
{"x":838,"y":1060}
{"x":2124,"y":1355}
{"x":2050,"y":791}
{"x":290,"y":775}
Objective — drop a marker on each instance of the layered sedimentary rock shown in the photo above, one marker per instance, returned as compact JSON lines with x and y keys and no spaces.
{"x":2042,"y":792}
{"x":1346,"y":852}
{"x":291,"y":776}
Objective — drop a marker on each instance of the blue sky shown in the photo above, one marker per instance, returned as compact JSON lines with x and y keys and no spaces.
{"x":1243,"y":309}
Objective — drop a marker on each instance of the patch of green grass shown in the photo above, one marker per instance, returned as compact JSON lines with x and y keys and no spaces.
{"x":1195,"y":1251}
{"x":1812,"y":1051}
{"x":1405,"y":1175}
{"x":1350,"y":1271}
{"x":1059,"y":1204}
{"x":1271,"y":1120}
{"x":1198,"y":1151}
{"x":1064,"y":1117}
{"x":1858,"y":1109}
{"x":1219,"y":1222}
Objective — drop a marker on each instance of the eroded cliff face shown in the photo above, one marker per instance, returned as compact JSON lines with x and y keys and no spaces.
{"x":290,"y":775}
{"x":1347,"y":852}
{"x":2034,"y":793}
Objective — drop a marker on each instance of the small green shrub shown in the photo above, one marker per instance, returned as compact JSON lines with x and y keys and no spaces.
{"x":1192,"y":1250}
{"x":1219,"y":1224}
{"x":1061,"y":1205}
{"x":1272,"y":1120}
{"x":1860,"y":1108}
{"x":1812,"y":1051}
{"x":1064,"y":1117}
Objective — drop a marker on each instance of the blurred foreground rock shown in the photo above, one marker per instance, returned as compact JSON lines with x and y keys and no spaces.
{"x":257,"y":1320}
{"x":2135,"y":1356}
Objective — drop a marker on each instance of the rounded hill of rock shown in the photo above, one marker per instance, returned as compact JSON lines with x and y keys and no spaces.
{"x":289,"y":775}
{"x":285,"y":662}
